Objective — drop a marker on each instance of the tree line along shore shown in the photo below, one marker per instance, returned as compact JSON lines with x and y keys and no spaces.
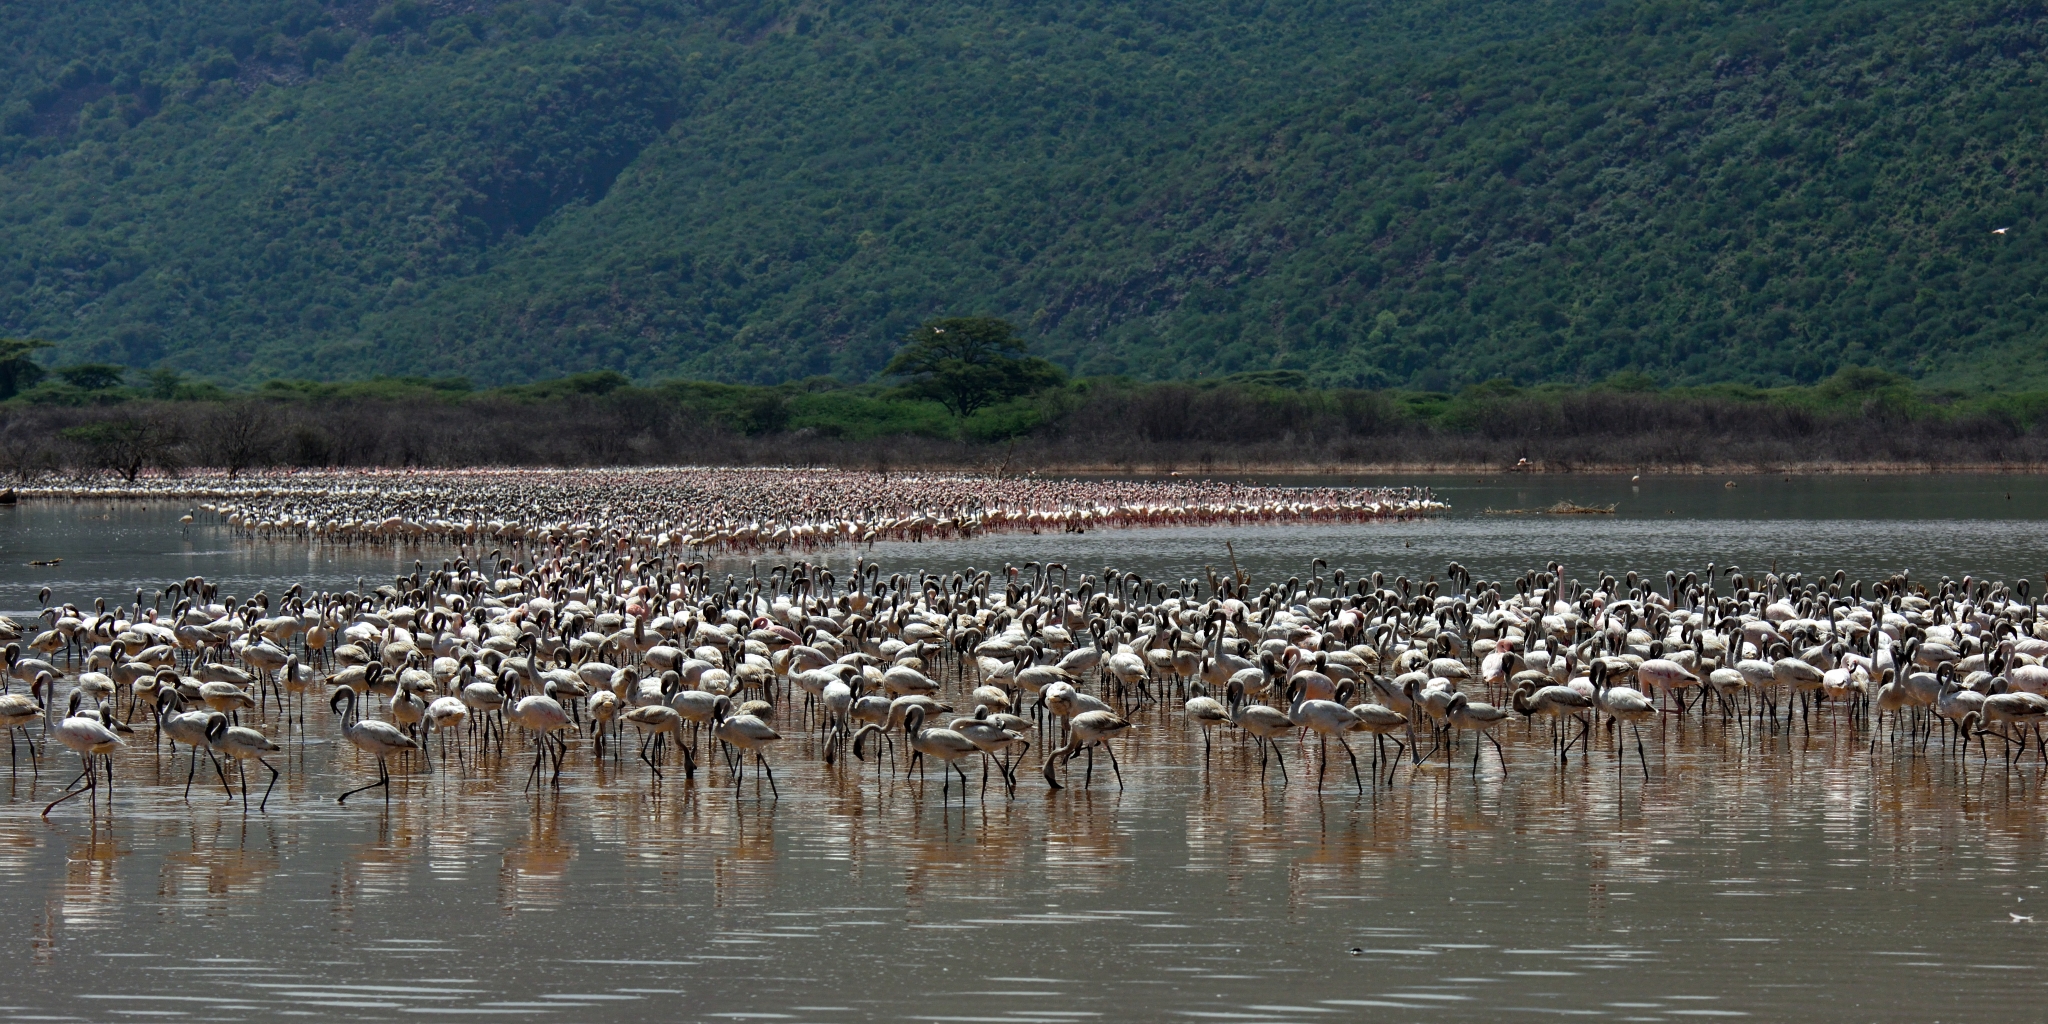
{"x":1859,"y":420}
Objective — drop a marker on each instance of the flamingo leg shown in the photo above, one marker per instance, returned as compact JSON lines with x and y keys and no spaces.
{"x":222,"y":773}
{"x":264,"y":806}
{"x":91,"y":784}
{"x":382,"y":780}
{"x":533,"y":774}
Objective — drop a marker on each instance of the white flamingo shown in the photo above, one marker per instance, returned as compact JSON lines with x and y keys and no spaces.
{"x":1325,"y":718}
{"x":373,"y":737}
{"x":18,"y":711}
{"x":1086,"y":731}
{"x":245,"y":744}
{"x":1468,"y":715}
{"x":1625,"y":704}
{"x":746,"y":733}
{"x":1266,"y":724}
{"x":543,"y":718}
{"x":1205,"y":713}
{"x":87,"y":735}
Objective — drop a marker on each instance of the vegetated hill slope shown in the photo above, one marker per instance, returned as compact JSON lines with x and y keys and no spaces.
{"x":1422,"y":192}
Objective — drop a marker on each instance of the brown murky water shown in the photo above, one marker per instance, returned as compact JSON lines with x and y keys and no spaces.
{"x":1760,"y":874}
{"x":1772,"y":876}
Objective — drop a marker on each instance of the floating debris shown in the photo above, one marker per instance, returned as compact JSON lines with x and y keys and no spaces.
{"x":1562,"y":508}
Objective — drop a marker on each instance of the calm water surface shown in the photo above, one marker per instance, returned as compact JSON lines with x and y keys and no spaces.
{"x":1755,"y":874}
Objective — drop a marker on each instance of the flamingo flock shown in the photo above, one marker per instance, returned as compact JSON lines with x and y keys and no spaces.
{"x":704,"y":510}
{"x":584,"y":651}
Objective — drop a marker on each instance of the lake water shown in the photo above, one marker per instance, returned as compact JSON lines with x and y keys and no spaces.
{"x":1758,"y":875}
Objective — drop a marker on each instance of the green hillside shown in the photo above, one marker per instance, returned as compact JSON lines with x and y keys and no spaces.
{"x":1425,"y":194}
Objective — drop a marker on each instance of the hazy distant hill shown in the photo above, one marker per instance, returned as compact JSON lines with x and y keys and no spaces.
{"x":1425,"y":192}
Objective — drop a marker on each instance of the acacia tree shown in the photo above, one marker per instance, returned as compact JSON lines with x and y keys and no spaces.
{"x":23,"y":452}
{"x":18,"y":368}
{"x":240,"y":436}
{"x":970,"y":362}
{"x":128,"y":444}
{"x":93,"y":376}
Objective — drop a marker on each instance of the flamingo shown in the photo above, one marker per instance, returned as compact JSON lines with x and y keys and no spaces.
{"x":17,"y":712}
{"x":1205,"y":713}
{"x":995,"y":733}
{"x":1084,"y":732}
{"x":191,"y":728}
{"x":1266,"y":724}
{"x":1624,"y":703}
{"x":485,"y":702}
{"x":1325,"y":718}
{"x":543,"y":718}
{"x":378,"y":739}
{"x":1667,"y":677}
{"x":444,"y":715}
{"x":947,"y":746}
{"x":1467,"y":715}
{"x":86,"y":734}
{"x":748,"y":733}
{"x":1381,"y":720}
{"x":244,"y":744}
{"x":2006,"y":710}
{"x":655,"y":721}
{"x":1557,"y":703}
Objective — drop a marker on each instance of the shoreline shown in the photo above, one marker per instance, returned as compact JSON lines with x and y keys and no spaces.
{"x":1324,"y":469}
{"x":46,"y":490}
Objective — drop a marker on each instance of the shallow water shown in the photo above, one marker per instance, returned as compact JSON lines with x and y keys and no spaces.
{"x":1867,"y":527}
{"x":1755,"y":873}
